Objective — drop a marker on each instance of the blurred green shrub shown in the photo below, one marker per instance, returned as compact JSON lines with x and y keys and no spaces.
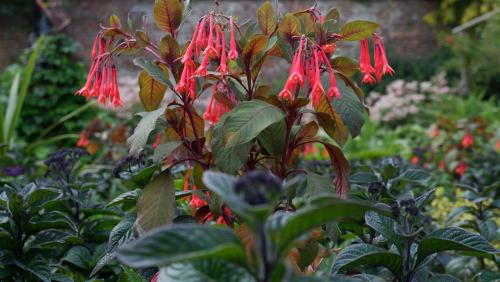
{"x":50,"y":96}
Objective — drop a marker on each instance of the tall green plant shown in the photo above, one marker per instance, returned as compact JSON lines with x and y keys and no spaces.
{"x":10,"y":115}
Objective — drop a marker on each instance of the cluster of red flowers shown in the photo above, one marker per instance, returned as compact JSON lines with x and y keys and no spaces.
{"x":307,"y":64}
{"x":208,"y":40}
{"x":380,"y":67}
{"x":102,"y":80}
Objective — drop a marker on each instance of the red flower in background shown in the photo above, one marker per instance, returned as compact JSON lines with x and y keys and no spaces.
{"x":467,"y":140}
{"x":83,"y":141}
{"x":461,"y":168}
{"x":415,"y":160}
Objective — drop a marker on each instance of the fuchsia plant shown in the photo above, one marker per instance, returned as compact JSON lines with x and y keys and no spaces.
{"x":248,"y":126}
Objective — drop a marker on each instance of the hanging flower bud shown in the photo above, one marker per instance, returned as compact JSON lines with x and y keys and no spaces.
{"x":233,"y":51}
{"x":333,"y":91}
{"x":200,"y":38}
{"x":317,"y":88}
{"x":210,"y":50}
{"x":192,"y":45}
{"x":365,"y":65}
{"x":381,"y":65}
{"x":223,"y":59}
{"x":214,"y":109}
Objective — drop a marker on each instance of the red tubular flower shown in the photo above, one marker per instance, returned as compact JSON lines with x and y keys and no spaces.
{"x":117,"y":102}
{"x":467,"y":141}
{"x":186,"y":180}
{"x":381,"y":65}
{"x":317,"y":88}
{"x":210,"y":50}
{"x":200,"y":38}
{"x":329,"y":49}
{"x":333,"y":91}
{"x":191,"y":46}
{"x":217,"y":39}
{"x":233,"y":51}
{"x":296,"y":75}
{"x":286,"y":93}
{"x":214,"y":109}
{"x":223,"y":59}
{"x":365,"y":65}
{"x":155,"y":277}
{"x":202,"y":69}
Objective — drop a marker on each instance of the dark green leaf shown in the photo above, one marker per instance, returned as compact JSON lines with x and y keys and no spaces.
{"x":415,"y":175}
{"x":349,"y":108}
{"x":181,"y":243}
{"x":385,"y":226}
{"x":453,"y":239}
{"x":141,"y":133}
{"x":365,"y":254}
{"x":205,"y":270}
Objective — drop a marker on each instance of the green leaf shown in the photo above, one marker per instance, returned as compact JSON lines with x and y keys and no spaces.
{"x":122,"y":232}
{"x":330,"y":121}
{"x":420,"y":200}
{"x":385,"y":226}
{"x":164,"y":150}
{"x":443,"y":278}
{"x":345,"y":65}
{"x":289,"y":27}
{"x":78,"y":256}
{"x":168,"y":15}
{"x":125,"y":197}
{"x":273,"y":138}
{"x":284,"y":228}
{"x":11,"y":107}
{"x":151,"y":92}
{"x":228,"y":160}
{"x":181,"y":243}
{"x":130,"y":275}
{"x":144,"y":176}
{"x":41,"y":197}
{"x":267,"y":18}
{"x":357,"y":30}
{"x":141,"y":133}
{"x":205,"y":270}
{"x":247,"y":120}
{"x":415,"y":175}
{"x":38,"y":266}
{"x":365,"y":254}
{"x":156,"y":205}
{"x":333,"y":14}
{"x":350,"y":109}
{"x":154,"y":71}
{"x":363,"y":177}
{"x":453,"y":239}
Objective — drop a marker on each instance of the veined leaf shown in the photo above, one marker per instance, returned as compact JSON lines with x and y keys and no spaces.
{"x":385,"y":226}
{"x":365,"y":254}
{"x":205,"y":270}
{"x":284,"y":228}
{"x":453,"y":239}
{"x":342,"y":169}
{"x":181,"y":243}
{"x":138,"y":139}
{"x":357,"y":30}
{"x":169,"y":48}
{"x":154,"y":71}
{"x":168,"y":15}
{"x":267,"y":18}
{"x":345,"y":65}
{"x":164,"y":150}
{"x":151,"y":91}
{"x":247,"y":120}
{"x":333,"y":14}
{"x":330,"y":121}
{"x":349,"y":108}
{"x":289,"y":27}
{"x":156,"y":205}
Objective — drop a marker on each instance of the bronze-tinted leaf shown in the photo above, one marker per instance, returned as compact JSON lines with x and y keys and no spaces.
{"x":307,"y":132}
{"x":306,"y":21}
{"x":342,"y":169}
{"x":168,"y":14}
{"x":151,"y":92}
{"x":330,"y":121}
{"x":289,"y":27}
{"x":169,"y":48}
{"x":345,"y":65}
{"x":114,"y":22}
{"x":254,"y":46}
{"x":333,"y":14}
{"x":357,"y":30}
{"x":267,"y":18}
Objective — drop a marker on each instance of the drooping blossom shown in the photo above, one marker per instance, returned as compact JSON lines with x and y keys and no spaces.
{"x":380,"y":59}
{"x":467,"y":141}
{"x":102,"y":79}
{"x":215,"y":109}
{"x":233,"y":50}
{"x":210,"y":50}
{"x":365,"y":65}
{"x":308,"y":63}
